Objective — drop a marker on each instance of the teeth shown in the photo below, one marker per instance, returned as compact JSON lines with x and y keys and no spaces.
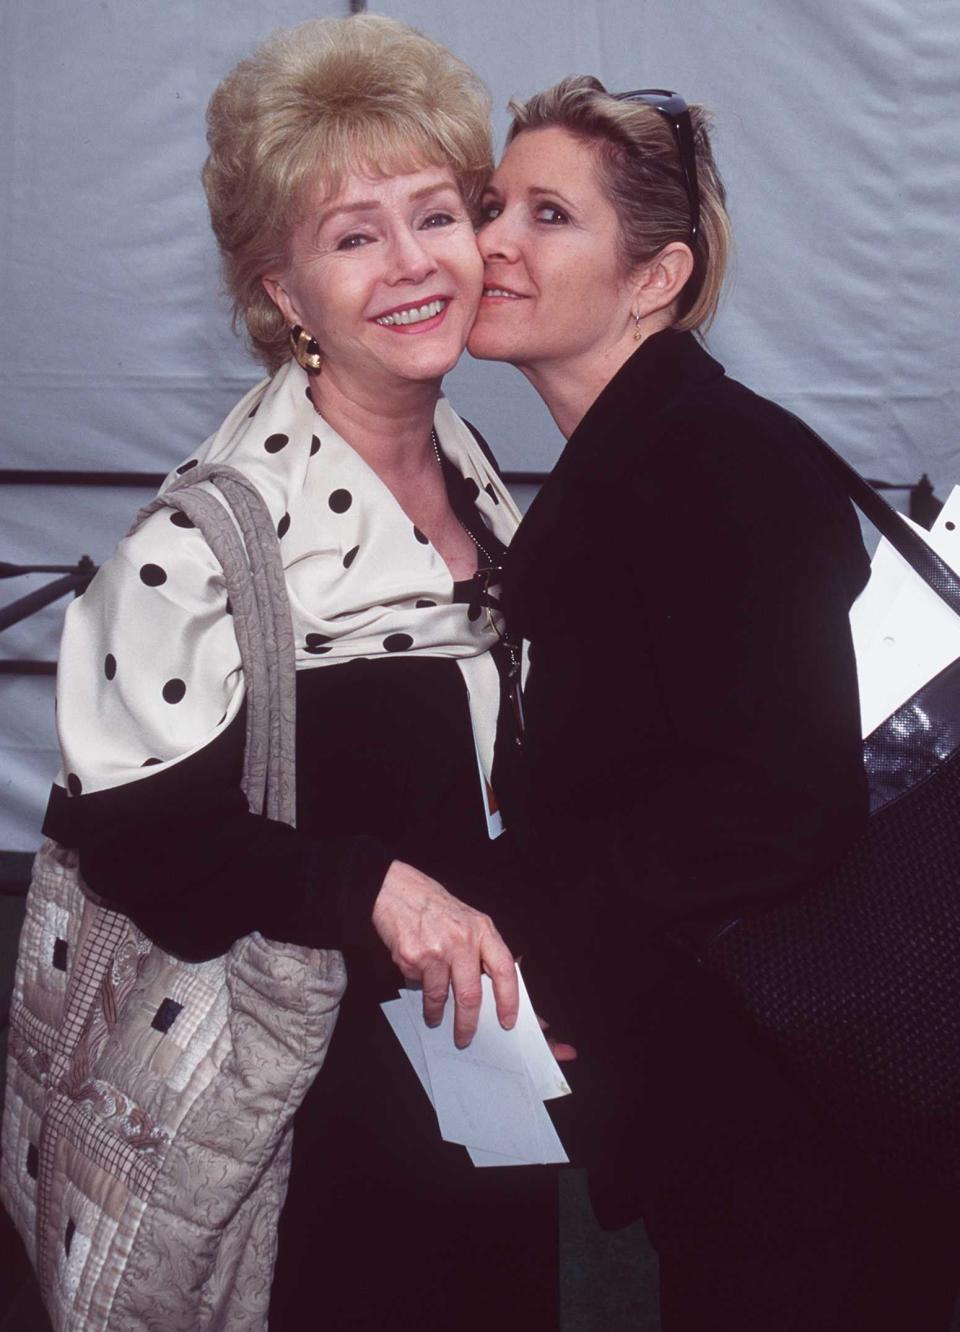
{"x":412,"y":316}
{"x":499,"y":291}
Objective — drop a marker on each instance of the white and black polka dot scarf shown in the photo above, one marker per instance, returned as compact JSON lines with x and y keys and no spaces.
{"x":149,"y":666}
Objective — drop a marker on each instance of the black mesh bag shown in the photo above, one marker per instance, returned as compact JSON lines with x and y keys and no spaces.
{"x":856,"y":984}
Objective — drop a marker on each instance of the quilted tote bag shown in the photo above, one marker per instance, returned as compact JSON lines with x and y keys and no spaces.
{"x":856,"y":985}
{"x":147,"y":1128}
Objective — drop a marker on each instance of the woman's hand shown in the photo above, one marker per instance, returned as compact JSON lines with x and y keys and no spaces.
{"x":439,"y":941}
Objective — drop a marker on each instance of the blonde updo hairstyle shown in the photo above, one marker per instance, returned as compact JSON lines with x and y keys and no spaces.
{"x":638,"y":164}
{"x":311,"y":105}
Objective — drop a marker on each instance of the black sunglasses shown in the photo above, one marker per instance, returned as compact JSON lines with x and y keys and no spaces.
{"x":674,"y":108}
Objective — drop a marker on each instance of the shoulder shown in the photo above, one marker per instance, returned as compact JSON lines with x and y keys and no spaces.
{"x":732,"y":475}
{"x":728,"y":443}
{"x":166,"y":555}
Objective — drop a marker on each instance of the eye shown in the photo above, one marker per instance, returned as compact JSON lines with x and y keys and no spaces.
{"x":438,"y":219}
{"x":489,"y":211}
{"x":551,"y":215}
{"x":353,"y":242}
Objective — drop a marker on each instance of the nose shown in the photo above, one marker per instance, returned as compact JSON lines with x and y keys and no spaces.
{"x":496,"y":240}
{"x":411,"y":261}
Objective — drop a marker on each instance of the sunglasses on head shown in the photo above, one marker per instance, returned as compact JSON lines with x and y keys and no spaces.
{"x":673,"y":108}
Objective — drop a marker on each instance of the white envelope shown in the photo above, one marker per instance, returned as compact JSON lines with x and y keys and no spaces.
{"x":903,"y":633}
{"x":488,"y":1097}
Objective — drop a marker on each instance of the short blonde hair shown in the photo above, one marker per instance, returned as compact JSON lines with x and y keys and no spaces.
{"x":312,"y":104}
{"x":638,"y":166}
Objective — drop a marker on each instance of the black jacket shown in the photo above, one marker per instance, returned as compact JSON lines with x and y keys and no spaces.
{"x":693,"y":745}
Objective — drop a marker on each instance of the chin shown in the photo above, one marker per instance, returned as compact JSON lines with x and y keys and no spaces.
{"x":485,"y":348}
{"x":493,"y":339}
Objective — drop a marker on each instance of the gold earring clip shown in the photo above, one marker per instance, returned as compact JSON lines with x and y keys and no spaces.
{"x":306,"y":349}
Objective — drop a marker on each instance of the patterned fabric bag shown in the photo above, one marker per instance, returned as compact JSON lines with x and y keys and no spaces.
{"x":147,"y":1129}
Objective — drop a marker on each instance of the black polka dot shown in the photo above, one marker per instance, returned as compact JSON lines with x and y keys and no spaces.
{"x":423,"y":603}
{"x":185,"y":467}
{"x":950,"y":526}
{"x":471,"y":489}
{"x":314,"y":446}
{"x":74,"y":784}
{"x":222,"y":720}
{"x":152,"y":575}
{"x":150,"y":762}
{"x":340,"y":501}
{"x":274,"y":443}
{"x":473,"y":613}
{"x":173,"y":691}
{"x":317,"y":644}
{"x":109,"y":665}
{"x":180,"y":519}
{"x":397,"y":642}
{"x":307,"y":395}
{"x":491,"y":492}
{"x":424,"y":541}
{"x":253,"y":410}
{"x":350,"y":556}
{"x":229,"y":607}
{"x":283,"y":527}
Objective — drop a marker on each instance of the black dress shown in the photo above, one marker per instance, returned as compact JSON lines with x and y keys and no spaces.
{"x":693,"y":751}
{"x":385,"y":1225}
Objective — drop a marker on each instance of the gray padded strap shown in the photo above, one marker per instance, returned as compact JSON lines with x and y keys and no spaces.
{"x":256,"y":586}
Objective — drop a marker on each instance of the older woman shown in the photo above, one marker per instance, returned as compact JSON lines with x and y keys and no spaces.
{"x":684,"y":578}
{"x":345,"y":159}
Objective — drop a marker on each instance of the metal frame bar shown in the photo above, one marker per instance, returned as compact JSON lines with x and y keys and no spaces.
{"x":923,"y":508}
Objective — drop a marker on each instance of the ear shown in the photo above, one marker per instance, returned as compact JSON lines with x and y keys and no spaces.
{"x":281,"y":298}
{"x":658,"y":283}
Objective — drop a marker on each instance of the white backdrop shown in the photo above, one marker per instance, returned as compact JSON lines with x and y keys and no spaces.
{"x":837,"y":132}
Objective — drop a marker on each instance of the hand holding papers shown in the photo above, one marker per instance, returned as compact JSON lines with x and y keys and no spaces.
{"x":489,"y":1097}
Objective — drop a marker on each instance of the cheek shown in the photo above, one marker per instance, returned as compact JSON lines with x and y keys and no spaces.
{"x":337,"y":305}
{"x":590,"y":285}
{"x":470,"y":269}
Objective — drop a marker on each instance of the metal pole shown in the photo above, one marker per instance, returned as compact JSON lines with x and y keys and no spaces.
{"x":34,"y":601}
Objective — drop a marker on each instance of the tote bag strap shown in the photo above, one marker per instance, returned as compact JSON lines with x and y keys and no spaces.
{"x":923,"y":559}
{"x":239,"y":530}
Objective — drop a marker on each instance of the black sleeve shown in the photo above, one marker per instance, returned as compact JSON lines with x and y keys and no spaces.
{"x":744,"y":583}
{"x":181,"y":854}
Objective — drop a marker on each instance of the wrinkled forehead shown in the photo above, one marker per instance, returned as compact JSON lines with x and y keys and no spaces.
{"x":358,"y":162}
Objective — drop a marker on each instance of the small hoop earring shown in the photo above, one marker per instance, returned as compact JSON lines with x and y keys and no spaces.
{"x":306,"y":349}
{"x":637,"y":335}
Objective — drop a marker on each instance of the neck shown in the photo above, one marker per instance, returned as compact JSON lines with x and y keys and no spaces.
{"x":390,"y":429}
{"x":571,"y":386}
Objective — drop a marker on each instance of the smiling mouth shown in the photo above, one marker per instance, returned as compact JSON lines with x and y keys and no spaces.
{"x":502,"y":291}
{"x":414,"y":314}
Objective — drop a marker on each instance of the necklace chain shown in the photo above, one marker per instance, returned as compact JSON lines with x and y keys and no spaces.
{"x":484,"y":553}
{"x":514,"y":654}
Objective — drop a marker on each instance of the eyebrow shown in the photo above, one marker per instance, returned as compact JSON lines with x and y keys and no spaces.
{"x":535,"y":191}
{"x":371,"y":205}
